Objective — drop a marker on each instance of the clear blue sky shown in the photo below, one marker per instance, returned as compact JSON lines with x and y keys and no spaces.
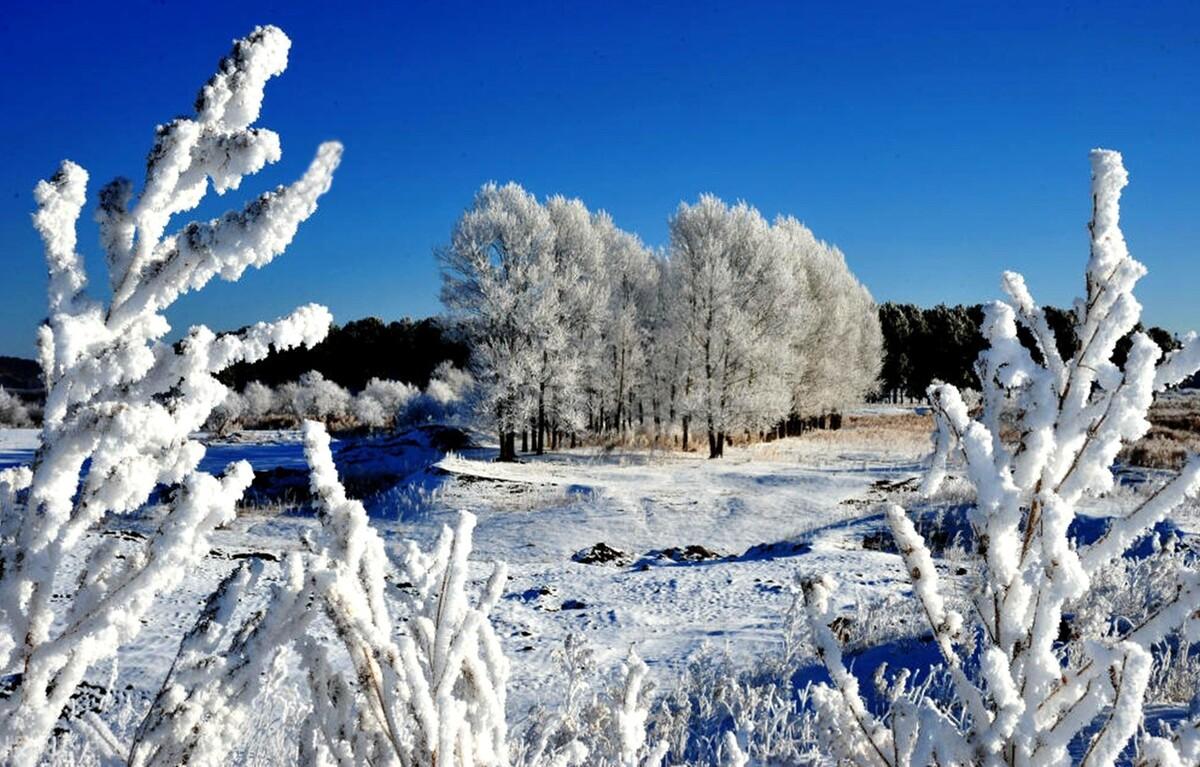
{"x":936,"y":144}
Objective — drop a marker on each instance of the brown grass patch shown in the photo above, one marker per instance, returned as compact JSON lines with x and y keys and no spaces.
{"x":1174,"y":434}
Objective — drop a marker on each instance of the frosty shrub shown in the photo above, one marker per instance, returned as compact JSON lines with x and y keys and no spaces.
{"x":377,"y":405}
{"x":421,"y":682}
{"x":315,"y":397}
{"x":1024,"y":690}
{"x":597,"y":728}
{"x":121,"y":400}
{"x":13,"y":411}
{"x":450,"y":398}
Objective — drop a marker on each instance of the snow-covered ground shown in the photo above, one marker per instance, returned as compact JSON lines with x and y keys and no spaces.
{"x":768,"y":512}
{"x":756,"y":520}
{"x":709,"y":550}
{"x":768,"y":517}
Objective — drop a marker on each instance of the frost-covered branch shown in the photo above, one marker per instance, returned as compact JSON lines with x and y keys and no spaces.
{"x":1047,"y":438}
{"x":122,"y":400}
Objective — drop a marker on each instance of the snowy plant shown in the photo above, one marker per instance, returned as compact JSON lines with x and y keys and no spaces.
{"x":1023,"y":692}
{"x":315,"y":397}
{"x":836,"y":341}
{"x":426,"y":685}
{"x":220,"y":670}
{"x":122,"y":400}
{"x":572,"y":339}
{"x":600,"y":730}
{"x":258,"y":400}
{"x":450,"y":398}
{"x":227,"y":416}
{"x":13,"y":411}
{"x":380,"y":401}
{"x":734,"y":308}
{"x":630,"y":283}
{"x":631,"y":712}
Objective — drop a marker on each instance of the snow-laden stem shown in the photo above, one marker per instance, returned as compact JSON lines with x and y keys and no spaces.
{"x":121,"y":401}
{"x":1022,"y":706}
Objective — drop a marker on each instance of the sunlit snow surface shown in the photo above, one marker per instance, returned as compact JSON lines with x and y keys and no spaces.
{"x":813,"y":501}
{"x":536,"y":514}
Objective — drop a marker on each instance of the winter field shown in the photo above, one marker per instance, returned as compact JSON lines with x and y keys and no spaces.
{"x":769,"y":513}
{"x":701,"y":571}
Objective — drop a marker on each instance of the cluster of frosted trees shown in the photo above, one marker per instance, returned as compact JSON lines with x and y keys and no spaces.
{"x":382,"y":404}
{"x":577,"y":327}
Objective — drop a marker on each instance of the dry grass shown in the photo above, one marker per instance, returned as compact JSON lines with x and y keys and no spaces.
{"x":897,"y":436}
{"x":1174,"y":433}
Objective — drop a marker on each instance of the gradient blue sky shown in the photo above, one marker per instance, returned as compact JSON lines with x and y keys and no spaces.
{"x":937,"y":144}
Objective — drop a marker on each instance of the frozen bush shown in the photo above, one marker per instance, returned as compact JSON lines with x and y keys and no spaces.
{"x":259,"y":401}
{"x":228,"y":415}
{"x":378,"y":404}
{"x":1022,"y":691}
{"x":316,"y":397}
{"x":608,"y":729}
{"x":432,"y":693}
{"x":122,"y":401}
{"x":448,"y":399}
{"x":13,"y":411}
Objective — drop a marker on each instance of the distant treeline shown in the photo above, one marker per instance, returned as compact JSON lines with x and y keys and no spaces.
{"x":942,"y":343}
{"x":21,"y":376}
{"x":352,"y":354}
{"x":920,"y":345}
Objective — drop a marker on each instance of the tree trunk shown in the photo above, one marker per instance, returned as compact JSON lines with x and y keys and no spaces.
{"x":716,"y":444}
{"x":685,"y":433}
{"x":540,"y":437}
{"x":508,"y":441}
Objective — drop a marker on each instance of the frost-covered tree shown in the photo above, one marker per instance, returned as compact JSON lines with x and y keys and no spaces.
{"x":228,"y":415}
{"x":450,"y":398}
{"x":630,"y":276}
{"x":734,"y":305}
{"x":666,"y":363}
{"x":259,"y":400}
{"x":837,"y":344}
{"x":122,"y":401}
{"x":495,"y":274}
{"x":571,"y":345}
{"x":1023,"y":691}
{"x":313,"y":396}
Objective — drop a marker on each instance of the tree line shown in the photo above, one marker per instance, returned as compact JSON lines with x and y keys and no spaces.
{"x":943,"y":343}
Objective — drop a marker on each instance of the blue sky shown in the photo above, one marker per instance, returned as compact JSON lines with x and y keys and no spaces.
{"x":937,"y":144}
